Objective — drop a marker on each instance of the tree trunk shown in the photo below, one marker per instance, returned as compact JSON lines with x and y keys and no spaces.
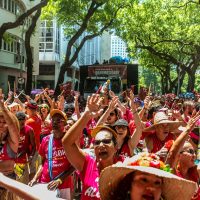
{"x":191,"y":82}
{"x":60,"y":80}
{"x":29,"y":55}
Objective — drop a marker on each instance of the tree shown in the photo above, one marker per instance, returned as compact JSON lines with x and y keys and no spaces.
{"x":29,"y":53}
{"x":169,"y":31}
{"x":91,"y":17}
{"x":20,"y":20}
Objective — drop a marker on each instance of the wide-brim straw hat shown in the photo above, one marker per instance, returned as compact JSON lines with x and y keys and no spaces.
{"x":162,"y":118}
{"x":174,"y":187}
{"x":103,"y":127}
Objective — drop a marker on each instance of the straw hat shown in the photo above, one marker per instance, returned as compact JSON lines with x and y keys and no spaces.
{"x":102,"y":127}
{"x":162,"y":118}
{"x":57,"y":111}
{"x":174,"y":187}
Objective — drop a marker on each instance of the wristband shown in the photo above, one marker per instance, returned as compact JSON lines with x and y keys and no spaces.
{"x":60,"y":181}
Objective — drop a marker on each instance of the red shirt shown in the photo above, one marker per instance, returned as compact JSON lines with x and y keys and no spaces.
{"x":157,"y":143}
{"x":35,"y":123}
{"x":24,"y":144}
{"x":125,"y":151}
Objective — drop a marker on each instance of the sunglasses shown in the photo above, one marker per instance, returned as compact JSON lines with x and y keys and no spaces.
{"x":121,"y":127}
{"x":44,"y":107}
{"x":190,"y":151}
{"x":104,"y":141}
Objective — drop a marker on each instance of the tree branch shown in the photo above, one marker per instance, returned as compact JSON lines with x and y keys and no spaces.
{"x":93,"y":7}
{"x":19,"y":21}
{"x":29,"y":52}
{"x":186,"y":4}
{"x":89,"y":37}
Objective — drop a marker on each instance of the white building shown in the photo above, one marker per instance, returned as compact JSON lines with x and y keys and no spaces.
{"x":53,"y":45}
{"x":49,"y":54}
{"x":12,"y":52}
{"x":118,"y":47}
{"x":90,"y":53}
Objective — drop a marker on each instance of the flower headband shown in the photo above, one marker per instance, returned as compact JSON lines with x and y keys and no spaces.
{"x":150,"y":160}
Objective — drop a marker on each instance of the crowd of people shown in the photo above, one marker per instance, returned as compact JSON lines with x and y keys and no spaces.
{"x":108,"y":147}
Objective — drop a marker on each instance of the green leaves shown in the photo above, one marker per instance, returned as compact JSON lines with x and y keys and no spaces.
{"x":167,"y":29}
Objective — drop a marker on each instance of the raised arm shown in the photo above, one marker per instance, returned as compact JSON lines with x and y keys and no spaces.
{"x":111,"y":107}
{"x":13,"y":126}
{"x":134,"y":140}
{"x":74,"y":154}
{"x":76,"y":106}
{"x":172,"y":156}
{"x":48,"y":99}
{"x":147,"y":104}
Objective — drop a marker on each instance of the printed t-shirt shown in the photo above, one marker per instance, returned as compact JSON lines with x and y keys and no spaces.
{"x":59,"y":163}
{"x":125,"y":151}
{"x":24,"y":144}
{"x":35,"y":123}
{"x":90,"y":179}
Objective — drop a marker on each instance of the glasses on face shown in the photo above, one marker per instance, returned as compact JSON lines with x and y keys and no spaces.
{"x":190,"y":151}
{"x":121,"y":127}
{"x":44,"y":107}
{"x":104,"y":141}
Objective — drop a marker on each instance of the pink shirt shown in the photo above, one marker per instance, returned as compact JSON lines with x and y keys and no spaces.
{"x":90,"y":179}
{"x":60,"y":162}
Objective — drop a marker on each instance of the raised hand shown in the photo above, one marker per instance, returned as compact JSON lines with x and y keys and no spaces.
{"x":113,"y":103}
{"x":177,"y":114}
{"x":93,"y":104}
{"x":192,"y":121}
{"x":112,"y":94}
{"x":147,"y":102}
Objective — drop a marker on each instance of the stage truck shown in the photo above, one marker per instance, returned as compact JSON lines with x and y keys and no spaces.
{"x":121,"y":77}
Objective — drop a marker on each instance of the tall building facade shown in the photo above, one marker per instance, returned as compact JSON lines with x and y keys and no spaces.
{"x":118,"y":47}
{"x":12,"y":51}
{"x":53,"y":45}
{"x":90,"y":53}
{"x":49,"y":54}
{"x":112,"y":45}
